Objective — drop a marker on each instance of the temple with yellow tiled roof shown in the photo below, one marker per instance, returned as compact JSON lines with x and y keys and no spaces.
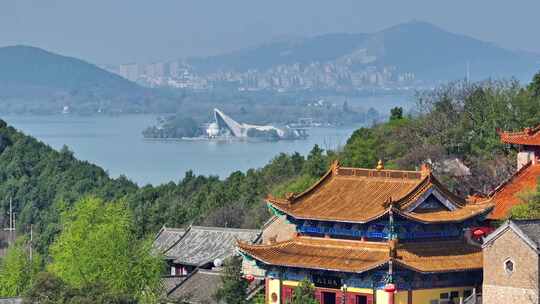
{"x":506,"y":196}
{"x":374,"y":236}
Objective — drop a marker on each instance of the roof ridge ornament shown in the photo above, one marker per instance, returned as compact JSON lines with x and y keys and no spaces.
{"x":290,"y":196}
{"x":335,"y":167}
{"x":425,"y":169}
{"x":380,"y":165}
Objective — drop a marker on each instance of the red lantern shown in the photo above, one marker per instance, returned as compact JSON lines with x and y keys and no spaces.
{"x":250,"y":278}
{"x":479,"y":232}
{"x":390,"y":288}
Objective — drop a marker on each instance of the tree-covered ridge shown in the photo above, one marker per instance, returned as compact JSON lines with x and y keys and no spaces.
{"x":40,"y":181}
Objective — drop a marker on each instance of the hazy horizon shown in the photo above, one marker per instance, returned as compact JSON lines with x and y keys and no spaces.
{"x":123,"y":31}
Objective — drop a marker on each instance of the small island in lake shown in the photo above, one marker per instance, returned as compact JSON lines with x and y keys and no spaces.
{"x":223,"y":127}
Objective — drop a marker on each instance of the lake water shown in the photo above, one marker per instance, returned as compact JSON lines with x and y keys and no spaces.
{"x":116,"y":144}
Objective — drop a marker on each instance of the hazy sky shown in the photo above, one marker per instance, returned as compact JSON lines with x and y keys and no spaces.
{"x":118,"y":31}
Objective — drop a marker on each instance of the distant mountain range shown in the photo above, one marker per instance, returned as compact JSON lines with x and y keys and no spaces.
{"x":38,"y":81}
{"x":34,"y":67}
{"x":418,"y":47}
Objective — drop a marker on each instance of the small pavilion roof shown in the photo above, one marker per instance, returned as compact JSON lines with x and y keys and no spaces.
{"x":359,"y":195}
{"x":527,"y":137}
{"x":198,"y":246}
{"x":506,"y":195}
{"x":446,"y":216}
{"x":360,"y":256}
{"x":201,"y":245}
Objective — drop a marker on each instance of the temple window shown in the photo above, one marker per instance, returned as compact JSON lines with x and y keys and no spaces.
{"x":509,"y":266}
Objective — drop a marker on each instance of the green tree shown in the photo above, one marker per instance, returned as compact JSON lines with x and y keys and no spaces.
{"x":361,"y":149}
{"x":259,"y":299}
{"x":234,"y":286}
{"x":50,"y":289}
{"x":534,"y":86}
{"x":530,"y":207}
{"x":297,"y":185}
{"x":316,"y":164}
{"x":97,"y":246}
{"x":304,"y":293}
{"x":396,"y":113}
{"x":17,"y":270}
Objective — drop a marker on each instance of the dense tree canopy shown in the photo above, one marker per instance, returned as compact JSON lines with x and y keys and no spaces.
{"x":530,"y":208}
{"x":97,"y":246}
{"x":50,"y":289}
{"x":234,"y":285}
{"x":17,"y":270}
{"x":304,"y":293}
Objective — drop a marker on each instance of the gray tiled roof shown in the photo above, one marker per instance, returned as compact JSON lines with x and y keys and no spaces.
{"x":170,"y":283}
{"x":531,"y":228}
{"x":200,"y":287}
{"x":202,"y":245}
{"x":527,"y":230}
{"x":10,"y":300}
{"x":167,"y":237}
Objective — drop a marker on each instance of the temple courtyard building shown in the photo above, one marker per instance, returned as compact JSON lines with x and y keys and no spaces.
{"x":511,"y":263}
{"x":374,"y":236}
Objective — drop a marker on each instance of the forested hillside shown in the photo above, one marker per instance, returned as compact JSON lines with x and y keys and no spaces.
{"x":33,"y":80}
{"x":33,"y":67}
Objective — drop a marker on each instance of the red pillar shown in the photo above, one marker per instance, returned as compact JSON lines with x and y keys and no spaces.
{"x":390,"y":298}
{"x":390,"y":289}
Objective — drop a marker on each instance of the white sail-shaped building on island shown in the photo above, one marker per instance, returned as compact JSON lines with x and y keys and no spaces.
{"x":223,"y":124}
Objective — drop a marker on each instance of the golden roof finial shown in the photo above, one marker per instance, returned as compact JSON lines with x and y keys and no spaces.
{"x":380,"y":165}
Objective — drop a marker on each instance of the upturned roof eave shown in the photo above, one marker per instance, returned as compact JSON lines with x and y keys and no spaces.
{"x":323,"y":219}
{"x":396,"y":261}
{"x":370,"y":267}
{"x":485,"y":211}
{"x":416,"y":269}
{"x":406,"y":215}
